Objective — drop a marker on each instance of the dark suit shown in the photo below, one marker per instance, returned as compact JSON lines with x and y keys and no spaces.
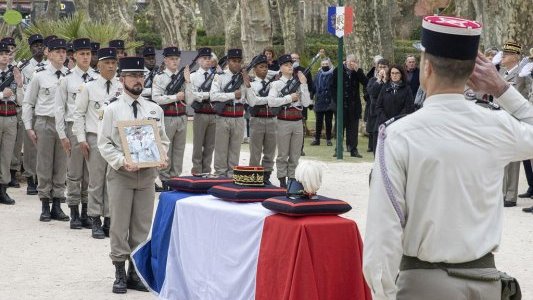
{"x":414,"y":81}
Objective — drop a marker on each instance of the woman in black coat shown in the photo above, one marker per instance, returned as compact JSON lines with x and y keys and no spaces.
{"x":395,"y":98}
{"x":373,"y":89}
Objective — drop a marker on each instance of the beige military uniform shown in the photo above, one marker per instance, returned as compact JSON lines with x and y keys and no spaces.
{"x":204,"y":124}
{"x":51,"y":159}
{"x":89,"y":111}
{"x":263,"y":128}
{"x":16,"y":160}
{"x":175,"y":126}
{"x":290,"y":133}
{"x":8,"y":129}
{"x":229,"y":130}
{"x":131,"y":194}
{"x":77,"y":172}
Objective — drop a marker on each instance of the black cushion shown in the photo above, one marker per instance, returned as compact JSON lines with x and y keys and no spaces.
{"x":241,"y":193}
{"x":305,"y":207}
{"x":196,"y":184}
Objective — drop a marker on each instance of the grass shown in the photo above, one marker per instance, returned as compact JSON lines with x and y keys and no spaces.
{"x":323,"y":153}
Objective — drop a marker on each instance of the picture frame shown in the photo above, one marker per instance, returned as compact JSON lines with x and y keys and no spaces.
{"x":141,"y":143}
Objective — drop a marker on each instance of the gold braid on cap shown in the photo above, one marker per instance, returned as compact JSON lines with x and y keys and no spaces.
{"x":249,"y":176}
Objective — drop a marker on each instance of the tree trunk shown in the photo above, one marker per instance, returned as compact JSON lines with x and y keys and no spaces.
{"x":315,"y":12}
{"x":362,"y":40}
{"x":82,"y":6}
{"x":256,"y":27}
{"x":177,"y":22}
{"x":382,"y":21}
{"x":52,"y":10}
{"x":405,"y":21}
{"x":211,"y":17}
{"x":232,"y":28}
{"x":277,"y":34}
{"x":119,"y":12}
{"x":293,"y":33}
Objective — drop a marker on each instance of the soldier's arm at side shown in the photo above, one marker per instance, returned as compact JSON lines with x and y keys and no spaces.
{"x":383,"y":237}
{"x":106,"y":145}
{"x":274,"y":100}
{"x":216,"y":93}
{"x":82,"y":104}
{"x":28,"y":104}
{"x":60,"y":106}
{"x":158,"y":92}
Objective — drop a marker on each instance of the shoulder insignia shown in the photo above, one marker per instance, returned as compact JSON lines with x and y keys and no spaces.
{"x":160,"y":72}
{"x":40,"y":69}
{"x":151,"y":100}
{"x":91,"y":79}
{"x":40,"y":64}
{"x":392,"y":120}
{"x":113,"y":100}
{"x":488,"y":104}
{"x":194,"y":71}
{"x":68,"y":73}
{"x":97,"y":71}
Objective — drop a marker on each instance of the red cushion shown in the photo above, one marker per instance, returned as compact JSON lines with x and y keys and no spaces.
{"x":306,"y":207}
{"x":196,"y":184}
{"x":241,"y":193}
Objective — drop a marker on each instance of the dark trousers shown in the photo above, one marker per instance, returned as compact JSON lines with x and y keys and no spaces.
{"x":320,"y":116}
{"x":529,"y":173}
{"x":351,"y":128}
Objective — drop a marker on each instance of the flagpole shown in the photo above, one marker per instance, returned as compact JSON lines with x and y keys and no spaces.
{"x":340,"y":99}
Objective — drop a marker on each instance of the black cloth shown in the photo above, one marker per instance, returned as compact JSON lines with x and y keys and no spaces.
{"x":108,"y":86}
{"x":372,"y":88}
{"x":3,"y":77}
{"x":134,"y":105}
{"x":414,"y":82}
{"x":323,"y":92}
{"x":58,"y":74}
{"x":84,"y":76}
{"x":320,"y":118}
{"x":274,"y":66}
{"x":393,"y":102}
{"x":529,"y":173}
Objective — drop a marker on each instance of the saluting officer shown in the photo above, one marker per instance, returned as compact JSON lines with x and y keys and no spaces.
{"x":95,"y":95}
{"x":230,"y":121}
{"x":204,"y":123}
{"x":66,"y":97}
{"x":29,"y":159}
{"x":174,"y":108}
{"x":51,"y":159}
{"x":263,"y":123}
{"x":131,"y":190}
{"x":290,"y":124}
{"x":8,"y":123}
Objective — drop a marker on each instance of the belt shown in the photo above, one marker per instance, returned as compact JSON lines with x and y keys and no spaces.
{"x":411,"y":263}
{"x":174,"y":109}
{"x":8,"y":109}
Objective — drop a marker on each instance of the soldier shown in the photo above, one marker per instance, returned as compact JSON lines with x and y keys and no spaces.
{"x":175,"y":114}
{"x":204,"y":124}
{"x":51,"y":159}
{"x":230,"y":121}
{"x":290,"y":124}
{"x":119,"y":45}
{"x":29,"y":158}
{"x":94,"y":55}
{"x":46,"y":49}
{"x":131,"y":190}
{"x":16,"y":160}
{"x":90,"y":103}
{"x":150,"y":70}
{"x":263,"y":123}
{"x":8,"y":122}
{"x":77,"y":172}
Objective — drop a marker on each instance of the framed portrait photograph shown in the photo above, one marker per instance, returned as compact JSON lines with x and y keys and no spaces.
{"x":141,"y":142}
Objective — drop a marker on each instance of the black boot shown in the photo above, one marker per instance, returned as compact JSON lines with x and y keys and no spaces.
{"x":97,"y":231}
{"x":85,"y":221}
{"x":45,"y":214}
{"x":14,"y":183}
{"x":133,"y":280}
{"x":158,"y":189}
{"x":266,"y":178}
{"x":32,"y":187}
{"x":120,"y":286}
{"x":75,"y":222}
{"x":355,"y":153}
{"x":107,"y":226}
{"x":56,"y":212}
{"x":527,"y":194}
{"x":4,"y":197}
{"x":283,"y":182}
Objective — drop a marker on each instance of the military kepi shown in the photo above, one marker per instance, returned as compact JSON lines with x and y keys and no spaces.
{"x":3,"y":47}
{"x":95,"y":46}
{"x":81,"y":44}
{"x":107,"y":53}
{"x":117,"y":44}
{"x":234,"y":53}
{"x":131,"y":64}
{"x":35,"y":38}
{"x":450,"y":37}
{"x":512,"y":47}
{"x":204,"y":52}
{"x":285,"y":58}
{"x":9,"y":41}
{"x":171,"y":51}
{"x":148,"y":51}
{"x":57,"y":44}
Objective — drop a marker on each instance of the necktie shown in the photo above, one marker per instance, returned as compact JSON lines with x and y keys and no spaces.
{"x":173,"y":77}
{"x":206,"y":74}
{"x":84,"y":76}
{"x":263,"y":83}
{"x":108,"y":85}
{"x":134,"y":104}
{"x":58,"y":74}
{"x":3,"y":76}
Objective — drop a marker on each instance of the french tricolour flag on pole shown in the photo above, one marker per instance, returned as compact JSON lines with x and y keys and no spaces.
{"x":340,"y":20}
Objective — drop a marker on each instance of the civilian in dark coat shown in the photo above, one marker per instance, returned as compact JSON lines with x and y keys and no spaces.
{"x":373,"y":89}
{"x":395,"y":98}
{"x":413,"y":74}
{"x":272,"y":63}
{"x":324,"y":103}
{"x":353,"y":77}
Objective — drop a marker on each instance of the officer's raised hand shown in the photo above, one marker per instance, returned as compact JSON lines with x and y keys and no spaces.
{"x":302,"y":78}
{"x":66,"y":145}
{"x":85,"y":149}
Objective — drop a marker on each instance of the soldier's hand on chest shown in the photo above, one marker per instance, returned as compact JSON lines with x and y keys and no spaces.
{"x":180,"y":96}
{"x":7,"y":92}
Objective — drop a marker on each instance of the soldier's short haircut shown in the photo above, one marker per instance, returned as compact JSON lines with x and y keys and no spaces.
{"x":451,"y":70}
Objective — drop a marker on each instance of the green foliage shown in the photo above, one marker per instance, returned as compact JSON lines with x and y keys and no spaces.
{"x":146,"y":29}
{"x":210,"y":40}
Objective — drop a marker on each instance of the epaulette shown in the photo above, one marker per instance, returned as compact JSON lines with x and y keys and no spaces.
{"x":68,"y":73}
{"x":91,"y":79}
{"x":151,"y":100}
{"x":394,"y":119}
{"x":113,"y":100}
{"x":488,"y":104}
{"x":194,"y":71}
{"x":40,"y":64}
{"x":40,"y":69}
{"x":160,"y":72}
{"x":97,"y":71}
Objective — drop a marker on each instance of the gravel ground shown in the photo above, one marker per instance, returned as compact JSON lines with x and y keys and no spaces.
{"x":50,"y":261}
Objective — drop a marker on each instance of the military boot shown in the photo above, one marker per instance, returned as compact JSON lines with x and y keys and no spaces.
{"x":120,"y":286}
{"x":32,"y":186}
{"x":134,"y":282}
{"x":75,"y":221}
{"x":84,"y":218}
{"x":56,"y":212}
{"x":266,"y":178}
{"x":97,"y":231}
{"x":45,"y":214}
{"x":106,"y":226}
{"x":4,"y":197}
{"x":14,"y":183}
{"x":283,"y":182}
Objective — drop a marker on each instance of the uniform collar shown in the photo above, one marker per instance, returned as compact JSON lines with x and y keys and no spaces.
{"x":202,"y":70}
{"x":53,"y":70}
{"x":167,"y":71}
{"x":443,"y":98}
{"x":284,"y":79}
{"x":129,"y":100}
{"x":5,"y":70}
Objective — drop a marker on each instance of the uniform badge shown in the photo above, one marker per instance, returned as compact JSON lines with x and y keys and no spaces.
{"x":97,"y":105}
{"x":153,"y":112}
{"x":74,"y":96}
{"x":46,"y":92}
